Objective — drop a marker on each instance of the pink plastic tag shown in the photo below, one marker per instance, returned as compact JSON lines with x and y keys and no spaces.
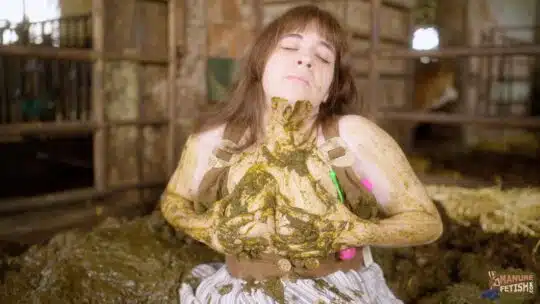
{"x":347,"y":254}
{"x":367,"y":184}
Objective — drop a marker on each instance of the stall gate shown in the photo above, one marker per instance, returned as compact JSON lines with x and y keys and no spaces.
{"x":54,"y":116}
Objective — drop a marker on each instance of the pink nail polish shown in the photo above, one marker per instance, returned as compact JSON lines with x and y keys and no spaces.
{"x":347,"y":254}
{"x":367,"y":184}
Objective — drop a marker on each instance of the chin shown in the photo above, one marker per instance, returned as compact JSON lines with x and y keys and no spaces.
{"x":293,"y":98}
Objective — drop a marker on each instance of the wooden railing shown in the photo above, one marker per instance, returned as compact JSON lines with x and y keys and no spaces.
{"x":505,"y":80}
{"x":34,"y":88}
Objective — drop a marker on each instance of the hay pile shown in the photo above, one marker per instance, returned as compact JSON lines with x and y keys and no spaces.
{"x":485,"y":229}
{"x":139,"y":261}
{"x":142,"y":261}
{"x":515,"y":211}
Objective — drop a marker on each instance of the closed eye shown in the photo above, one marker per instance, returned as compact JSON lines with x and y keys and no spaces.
{"x":289,"y":48}
{"x":323,"y":59}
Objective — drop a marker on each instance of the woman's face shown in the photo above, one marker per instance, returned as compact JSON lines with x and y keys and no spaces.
{"x":300,"y":68}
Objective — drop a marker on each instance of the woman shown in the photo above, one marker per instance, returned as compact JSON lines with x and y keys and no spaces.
{"x":287,"y":186}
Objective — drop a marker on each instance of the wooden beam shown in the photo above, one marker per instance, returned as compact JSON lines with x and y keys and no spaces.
{"x":76,"y":127}
{"x":78,"y":54}
{"x":51,"y":200}
{"x":459,"y":119}
{"x":451,"y":52}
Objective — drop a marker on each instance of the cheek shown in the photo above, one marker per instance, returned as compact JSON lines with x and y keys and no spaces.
{"x":325,"y":79}
{"x":271,"y":70}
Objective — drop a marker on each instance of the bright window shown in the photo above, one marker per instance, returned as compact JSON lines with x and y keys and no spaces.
{"x":13,"y":12}
{"x":426,"y":38}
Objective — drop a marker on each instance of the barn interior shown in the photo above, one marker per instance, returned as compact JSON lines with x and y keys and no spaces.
{"x":97,"y":100}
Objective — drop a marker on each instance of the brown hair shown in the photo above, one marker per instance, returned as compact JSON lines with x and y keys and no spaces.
{"x":245,"y":105}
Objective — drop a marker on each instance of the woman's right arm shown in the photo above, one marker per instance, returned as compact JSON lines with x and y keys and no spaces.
{"x":177,"y":202}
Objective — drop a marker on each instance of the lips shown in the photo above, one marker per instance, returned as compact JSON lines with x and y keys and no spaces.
{"x":298,"y":78}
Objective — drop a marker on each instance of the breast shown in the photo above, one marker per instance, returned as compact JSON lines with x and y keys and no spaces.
{"x":283,"y":200}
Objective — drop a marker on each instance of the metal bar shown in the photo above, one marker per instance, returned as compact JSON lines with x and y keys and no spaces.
{"x":460,"y":51}
{"x":456,"y":119}
{"x":74,"y":93}
{"x":98,"y":96}
{"x":373,"y":74}
{"x":85,"y":89}
{"x":507,"y":85}
{"x":171,"y":87}
{"x":77,"y":54}
{"x":75,"y":126}
{"x":491,"y":63}
{"x":4,"y":100}
{"x":67,"y":197}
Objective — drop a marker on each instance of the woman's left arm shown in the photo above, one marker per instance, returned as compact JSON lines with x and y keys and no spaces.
{"x":412,"y":218}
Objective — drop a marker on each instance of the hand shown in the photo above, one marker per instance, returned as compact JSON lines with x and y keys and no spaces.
{"x":181,"y":214}
{"x":312,"y":236}
{"x":347,"y":237}
{"x":243,"y":225}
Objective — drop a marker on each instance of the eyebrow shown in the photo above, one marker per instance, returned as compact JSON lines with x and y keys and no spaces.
{"x":323,"y":42}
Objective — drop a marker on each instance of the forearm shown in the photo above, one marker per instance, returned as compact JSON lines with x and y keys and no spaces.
{"x":411,"y":228}
{"x":180,"y":214}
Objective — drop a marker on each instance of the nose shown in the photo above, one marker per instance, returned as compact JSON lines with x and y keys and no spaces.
{"x":305,"y":59}
{"x":308,"y":65}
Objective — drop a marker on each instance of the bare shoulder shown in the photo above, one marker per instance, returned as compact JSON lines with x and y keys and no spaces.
{"x":209,"y":138}
{"x":380,"y":157}
{"x":358,"y":131}
{"x":194,"y":161}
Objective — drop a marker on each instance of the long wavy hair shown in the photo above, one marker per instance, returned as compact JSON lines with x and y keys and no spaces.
{"x":246,"y":105}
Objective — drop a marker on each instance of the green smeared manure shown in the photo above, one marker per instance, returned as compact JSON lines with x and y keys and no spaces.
{"x":141,"y":261}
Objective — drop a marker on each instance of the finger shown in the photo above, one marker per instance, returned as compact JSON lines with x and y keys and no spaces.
{"x":309,"y":254}
{"x":238,"y":221}
{"x":216,"y":244}
{"x":342,"y":213}
{"x":347,"y":239}
{"x":295,"y":213}
{"x":196,"y":222}
{"x":218,"y":209}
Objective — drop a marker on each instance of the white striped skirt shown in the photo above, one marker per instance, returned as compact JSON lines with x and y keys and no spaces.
{"x":212,"y":283}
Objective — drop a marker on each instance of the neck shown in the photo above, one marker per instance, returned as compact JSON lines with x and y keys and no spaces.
{"x":289,"y":124}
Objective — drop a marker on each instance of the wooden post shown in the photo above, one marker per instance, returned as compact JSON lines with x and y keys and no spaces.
{"x":259,"y":13}
{"x":373,"y":74}
{"x":137,"y":33}
{"x":98,"y":97}
{"x":173,"y":64}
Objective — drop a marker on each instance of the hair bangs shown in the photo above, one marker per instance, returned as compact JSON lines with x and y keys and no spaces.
{"x":299,"y":19}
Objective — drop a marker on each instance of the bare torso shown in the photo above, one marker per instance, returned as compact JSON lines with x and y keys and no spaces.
{"x":282,"y":200}
{"x":280,"y":188}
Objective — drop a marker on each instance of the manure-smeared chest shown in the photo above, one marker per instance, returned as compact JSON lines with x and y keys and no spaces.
{"x":277,"y":200}
{"x":276,"y":197}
